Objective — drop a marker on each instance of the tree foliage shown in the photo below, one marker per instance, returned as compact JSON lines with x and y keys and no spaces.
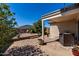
{"x":37,"y":28}
{"x":7,"y":24}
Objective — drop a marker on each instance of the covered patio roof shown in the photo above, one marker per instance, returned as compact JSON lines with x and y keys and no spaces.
{"x":65,"y":17}
{"x":61,"y":15}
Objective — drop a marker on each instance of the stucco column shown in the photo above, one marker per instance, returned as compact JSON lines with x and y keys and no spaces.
{"x":42,"y":29}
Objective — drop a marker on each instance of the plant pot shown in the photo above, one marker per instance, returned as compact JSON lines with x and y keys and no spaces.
{"x":41,"y":42}
{"x":75,"y":52}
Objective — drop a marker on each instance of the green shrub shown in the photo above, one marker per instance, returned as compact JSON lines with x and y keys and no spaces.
{"x":5,"y":39}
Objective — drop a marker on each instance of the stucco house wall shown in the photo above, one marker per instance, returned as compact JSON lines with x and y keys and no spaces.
{"x":70,"y":26}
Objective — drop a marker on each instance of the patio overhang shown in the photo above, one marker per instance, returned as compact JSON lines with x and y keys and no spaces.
{"x":60,"y":16}
{"x":65,"y":18}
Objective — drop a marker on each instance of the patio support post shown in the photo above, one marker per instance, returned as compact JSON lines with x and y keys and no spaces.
{"x":42,"y":29}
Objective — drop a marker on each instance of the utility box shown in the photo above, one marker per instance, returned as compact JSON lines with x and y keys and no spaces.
{"x":67,"y":39}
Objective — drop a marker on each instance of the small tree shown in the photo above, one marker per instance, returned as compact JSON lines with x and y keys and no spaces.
{"x":37,"y":27}
{"x":7,"y":24}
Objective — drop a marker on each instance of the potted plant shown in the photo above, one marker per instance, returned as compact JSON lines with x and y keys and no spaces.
{"x":41,"y":42}
{"x":75,"y":51}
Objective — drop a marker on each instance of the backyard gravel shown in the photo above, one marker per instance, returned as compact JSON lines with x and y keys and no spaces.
{"x":30,"y":47}
{"x":28,"y":50}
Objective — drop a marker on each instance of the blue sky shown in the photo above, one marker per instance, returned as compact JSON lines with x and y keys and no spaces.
{"x":28,"y":13}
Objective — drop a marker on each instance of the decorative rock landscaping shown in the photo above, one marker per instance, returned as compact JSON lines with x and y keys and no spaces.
{"x":28,"y":50}
{"x":31,"y":47}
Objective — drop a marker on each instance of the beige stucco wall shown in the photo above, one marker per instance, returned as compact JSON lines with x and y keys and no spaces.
{"x":67,"y":26}
{"x":54,"y":32}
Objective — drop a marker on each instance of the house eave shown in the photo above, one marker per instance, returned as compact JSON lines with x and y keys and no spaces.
{"x":59,"y":17}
